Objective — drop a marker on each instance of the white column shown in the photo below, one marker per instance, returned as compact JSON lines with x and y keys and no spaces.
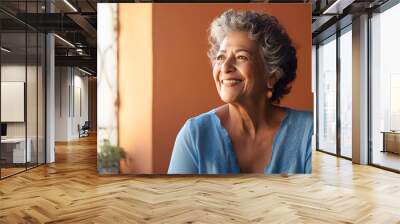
{"x":360,"y":90}
{"x":50,"y":100}
{"x":50,"y":93}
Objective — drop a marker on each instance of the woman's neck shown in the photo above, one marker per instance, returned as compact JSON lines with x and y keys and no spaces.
{"x":252,"y":117}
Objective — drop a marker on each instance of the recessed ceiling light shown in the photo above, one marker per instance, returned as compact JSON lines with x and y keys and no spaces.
{"x":5,"y":50}
{"x":70,"y":5}
{"x":337,"y":7}
{"x":84,"y":71}
{"x":64,"y":40}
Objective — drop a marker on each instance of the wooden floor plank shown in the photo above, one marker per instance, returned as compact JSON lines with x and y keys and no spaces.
{"x":71,"y":191}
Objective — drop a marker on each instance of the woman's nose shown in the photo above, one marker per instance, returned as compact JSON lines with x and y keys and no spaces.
{"x":228,"y":65}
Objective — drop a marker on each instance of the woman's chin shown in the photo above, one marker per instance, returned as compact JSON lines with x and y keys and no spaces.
{"x":229,"y":98}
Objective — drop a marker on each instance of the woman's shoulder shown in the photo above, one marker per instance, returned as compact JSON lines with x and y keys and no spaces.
{"x":202,"y":121}
{"x":300,"y":118}
{"x":302,"y":114}
{"x":201,"y":127}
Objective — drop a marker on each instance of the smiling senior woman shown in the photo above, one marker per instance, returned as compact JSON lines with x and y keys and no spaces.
{"x":254,"y":63}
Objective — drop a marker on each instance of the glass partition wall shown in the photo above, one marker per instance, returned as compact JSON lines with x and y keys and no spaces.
{"x":334,"y":94}
{"x":22,"y":88}
{"x":385,"y":89}
{"x":13,"y":110}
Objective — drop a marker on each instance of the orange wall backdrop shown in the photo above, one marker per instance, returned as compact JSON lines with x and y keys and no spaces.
{"x":135,"y":87}
{"x":181,"y":74}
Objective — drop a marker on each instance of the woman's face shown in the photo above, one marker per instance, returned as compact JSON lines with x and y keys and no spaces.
{"x":238,"y":70}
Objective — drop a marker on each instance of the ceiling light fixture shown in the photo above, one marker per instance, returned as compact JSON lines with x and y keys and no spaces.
{"x":337,"y":7}
{"x":70,"y":5}
{"x":84,"y":71}
{"x":64,"y":40}
{"x":5,"y":50}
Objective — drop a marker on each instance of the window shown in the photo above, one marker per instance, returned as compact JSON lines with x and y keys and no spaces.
{"x":385,"y":88}
{"x":326,"y":98}
{"x":346,"y":92}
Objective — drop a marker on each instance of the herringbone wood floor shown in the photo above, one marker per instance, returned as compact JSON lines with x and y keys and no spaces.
{"x":70,"y":191}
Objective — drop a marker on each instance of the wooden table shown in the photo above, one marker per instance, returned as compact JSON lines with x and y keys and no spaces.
{"x":391,"y":141}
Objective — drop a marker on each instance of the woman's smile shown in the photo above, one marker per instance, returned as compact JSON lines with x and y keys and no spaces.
{"x":231,"y":82}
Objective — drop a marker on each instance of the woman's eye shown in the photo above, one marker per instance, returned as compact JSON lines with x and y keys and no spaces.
{"x":241,"y":57}
{"x":220,"y":57}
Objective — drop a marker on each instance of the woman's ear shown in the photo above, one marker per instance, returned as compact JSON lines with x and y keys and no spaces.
{"x":272,"y":78}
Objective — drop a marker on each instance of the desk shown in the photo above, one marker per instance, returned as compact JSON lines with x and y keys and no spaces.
{"x":15,"y":148}
{"x":391,"y":141}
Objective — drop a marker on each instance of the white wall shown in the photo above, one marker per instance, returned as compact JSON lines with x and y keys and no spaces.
{"x":62,"y":81}
{"x":71,"y":94}
{"x":12,"y":73}
{"x":80,"y":110}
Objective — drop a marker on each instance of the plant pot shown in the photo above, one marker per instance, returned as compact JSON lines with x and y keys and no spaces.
{"x":108,"y":170}
{"x":103,"y":168}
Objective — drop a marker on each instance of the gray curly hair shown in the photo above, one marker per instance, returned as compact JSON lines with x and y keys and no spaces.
{"x":278,"y":53}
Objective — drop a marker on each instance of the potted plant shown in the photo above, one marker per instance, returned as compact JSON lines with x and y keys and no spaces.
{"x":108,"y":158}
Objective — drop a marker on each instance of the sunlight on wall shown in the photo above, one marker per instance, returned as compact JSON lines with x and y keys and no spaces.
{"x":107,"y":74}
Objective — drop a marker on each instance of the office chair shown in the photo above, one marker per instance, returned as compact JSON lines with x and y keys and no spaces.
{"x":84,"y":130}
